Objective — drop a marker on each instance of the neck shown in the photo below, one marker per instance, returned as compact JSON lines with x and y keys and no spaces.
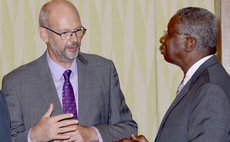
{"x":65,"y":64}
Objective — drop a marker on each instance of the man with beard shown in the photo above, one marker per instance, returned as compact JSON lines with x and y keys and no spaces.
{"x":200,"y":111}
{"x":66,"y":95}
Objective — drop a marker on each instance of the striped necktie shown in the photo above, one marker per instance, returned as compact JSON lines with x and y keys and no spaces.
{"x":180,"y":87}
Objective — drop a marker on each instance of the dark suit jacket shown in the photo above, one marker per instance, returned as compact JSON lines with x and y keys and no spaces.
{"x":201,"y":111}
{"x":4,"y":120}
{"x":30,"y":89}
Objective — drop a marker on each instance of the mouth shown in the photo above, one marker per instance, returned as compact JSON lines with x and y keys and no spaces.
{"x":162,"y":49}
{"x":72,"y":49}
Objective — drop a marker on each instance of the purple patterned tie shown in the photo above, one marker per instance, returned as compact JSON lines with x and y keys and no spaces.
{"x":68,"y":100}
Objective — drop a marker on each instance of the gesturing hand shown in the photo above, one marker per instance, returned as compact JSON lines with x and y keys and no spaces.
{"x":139,"y":138}
{"x":82,"y":134}
{"x":52,"y":128}
{"x":134,"y":138}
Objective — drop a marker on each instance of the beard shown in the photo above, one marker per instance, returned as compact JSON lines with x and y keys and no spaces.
{"x":66,"y":54}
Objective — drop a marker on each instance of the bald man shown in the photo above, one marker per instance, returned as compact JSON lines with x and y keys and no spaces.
{"x":66,"y":95}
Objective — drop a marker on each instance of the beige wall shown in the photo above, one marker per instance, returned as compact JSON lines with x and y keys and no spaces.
{"x":126,"y":31}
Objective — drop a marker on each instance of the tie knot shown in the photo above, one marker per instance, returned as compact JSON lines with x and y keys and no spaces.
{"x":66,"y":74}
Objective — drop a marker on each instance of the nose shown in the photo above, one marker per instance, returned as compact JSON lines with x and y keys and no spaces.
{"x":74,"y":37}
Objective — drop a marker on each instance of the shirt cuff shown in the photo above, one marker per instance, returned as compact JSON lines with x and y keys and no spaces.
{"x":28,"y":136}
{"x":98,"y":134}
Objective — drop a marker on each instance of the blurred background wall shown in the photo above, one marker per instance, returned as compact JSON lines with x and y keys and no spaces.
{"x":126,"y":31}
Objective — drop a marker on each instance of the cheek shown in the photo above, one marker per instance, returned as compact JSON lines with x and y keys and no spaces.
{"x":58,"y":43}
{"x":174,"y":47}
{"x":173,"y":51}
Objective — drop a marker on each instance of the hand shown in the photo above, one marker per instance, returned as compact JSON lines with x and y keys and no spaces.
{"x":134,"y":138}
{"x":139,"y":138}
{"x":125,"y":140}
{"x":51,"y":128}
{"x":82,"y":134}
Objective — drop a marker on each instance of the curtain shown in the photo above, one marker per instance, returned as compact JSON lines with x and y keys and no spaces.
{"x":125,"y":31}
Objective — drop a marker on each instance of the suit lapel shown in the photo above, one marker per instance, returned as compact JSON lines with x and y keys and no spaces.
{"x":84,"y":87}
{"x":186,"y":88}
{"x":46,"y":85}
{"x":178,"y":98}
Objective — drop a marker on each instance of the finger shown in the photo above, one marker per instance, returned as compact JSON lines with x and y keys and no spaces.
{"x":62,"y":117}
{"x":74,"y":137}
{"x":140,"y":138}
{"x":67,"y":122}
{"x":68,"y":129}
{"x":62,"y":137}
{"x":49,"y":111}
{"x":133,"y":137}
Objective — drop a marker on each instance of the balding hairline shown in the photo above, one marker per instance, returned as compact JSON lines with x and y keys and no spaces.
{"x":47,"y":7}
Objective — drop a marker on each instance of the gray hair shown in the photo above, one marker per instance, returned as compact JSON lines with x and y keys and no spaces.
{"x":200,"y":24}
{"x":44,"y":15}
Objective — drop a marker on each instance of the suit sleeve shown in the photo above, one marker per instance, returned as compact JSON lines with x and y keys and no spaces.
{"x":4,"y":120}
{"x":210,"y":115}
{"x":11,"y":92}
{"x":121,"y":123}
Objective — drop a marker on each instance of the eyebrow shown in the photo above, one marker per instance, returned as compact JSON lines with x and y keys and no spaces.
{"x":71,"y":29}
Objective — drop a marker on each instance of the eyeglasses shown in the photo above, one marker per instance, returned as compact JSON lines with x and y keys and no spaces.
{"x":166,"y":33}
{"x":79,"y":32}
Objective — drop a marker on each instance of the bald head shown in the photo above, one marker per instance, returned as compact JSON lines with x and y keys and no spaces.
{"x":55,"y":8}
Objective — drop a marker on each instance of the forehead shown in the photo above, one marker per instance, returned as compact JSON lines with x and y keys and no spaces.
{"x":173,"y":23}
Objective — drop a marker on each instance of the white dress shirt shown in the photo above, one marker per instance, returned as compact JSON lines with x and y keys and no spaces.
{"x":191,"y":71}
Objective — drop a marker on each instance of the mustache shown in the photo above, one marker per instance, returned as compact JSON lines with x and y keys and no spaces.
{"x":74,"y":45}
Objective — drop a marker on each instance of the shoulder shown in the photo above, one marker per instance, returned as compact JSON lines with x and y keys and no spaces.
{"x":28,"y":69}
{"x":219,"y":79}
{"x":97,"y":61}
{"x":98,"y":64}
{"x":213,"y":78}
{"x":211,"y":93}
{"x":93,"y":58}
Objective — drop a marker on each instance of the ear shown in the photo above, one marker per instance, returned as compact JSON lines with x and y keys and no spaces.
{"x":43,"y":34}
{"x":190,"y":44}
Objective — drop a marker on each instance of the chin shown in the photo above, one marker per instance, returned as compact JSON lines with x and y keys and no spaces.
{"x":72,"y":55}
{"x":168,"y":59}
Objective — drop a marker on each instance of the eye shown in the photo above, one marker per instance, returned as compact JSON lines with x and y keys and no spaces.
{"x":77,"y":30}
{"x":67,"y":33}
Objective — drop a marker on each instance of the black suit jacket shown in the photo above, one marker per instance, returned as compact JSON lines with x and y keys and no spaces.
{"x":201,"y":111}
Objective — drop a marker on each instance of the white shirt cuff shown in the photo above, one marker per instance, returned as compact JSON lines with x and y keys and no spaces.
{"x":28,"y":136}
{"x":98,"y":134}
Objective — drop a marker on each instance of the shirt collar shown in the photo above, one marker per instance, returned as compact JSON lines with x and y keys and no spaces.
{"x":57,"y":70}
{"x":194,"y":67}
